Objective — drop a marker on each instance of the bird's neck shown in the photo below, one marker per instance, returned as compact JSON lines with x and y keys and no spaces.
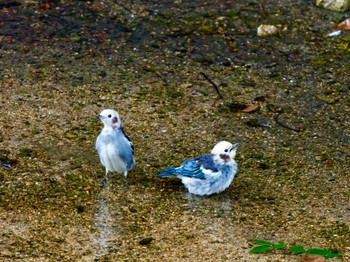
{"x":222,"y":164}
{"x":116,"y":126}
{"x":109,"y":129}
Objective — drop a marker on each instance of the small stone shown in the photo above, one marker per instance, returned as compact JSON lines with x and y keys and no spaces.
{"x":186,"y":85}
{"x":71,"y":136}
{"x":176,"y":29}
{"x":267,"y":30}
{"x":80,"y":208}
{"x":132,"y":210}
{"x":75,"y":38}
{"x":335,"y":5}
{"x":18,"y":98}
{"x":326,"y":99}
{"x":274,"y":108}
{"x":146,"y":241}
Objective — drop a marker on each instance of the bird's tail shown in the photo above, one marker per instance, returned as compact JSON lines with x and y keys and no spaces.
{"x":170,"y":171}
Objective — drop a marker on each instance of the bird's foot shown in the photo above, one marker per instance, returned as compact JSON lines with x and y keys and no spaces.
{"x":193,"y":198}
{"x":126,"y":183}
{"x":193,"y":201}
{"x":104,"y":182}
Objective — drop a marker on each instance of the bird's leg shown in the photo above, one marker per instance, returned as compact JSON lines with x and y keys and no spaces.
{"x":126,"y":183}
{"x":193,"y":202}
{"x":106,"y":175}
{"x":105,"y":179}
{"x":191,"y":197}
{"x":198,"y":199}
{"x":190,"y":200}
{"x":188,"y":196}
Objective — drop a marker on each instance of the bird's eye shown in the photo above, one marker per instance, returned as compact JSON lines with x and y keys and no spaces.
{"x":109,"y":116}
{"x":226,"y":150}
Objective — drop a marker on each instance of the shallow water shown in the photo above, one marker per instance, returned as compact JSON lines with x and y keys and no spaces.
{"x":63,"y":62}
{"x":105,"y":227}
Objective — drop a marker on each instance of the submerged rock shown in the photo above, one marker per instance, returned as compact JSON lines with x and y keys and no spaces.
{"x":336,"y":5}
{"x":267,"y":30}
{"x":146,"y":241}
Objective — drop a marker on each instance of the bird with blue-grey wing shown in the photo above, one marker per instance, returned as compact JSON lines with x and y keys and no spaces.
{"x":114,"y":147}
{"x":207,"y":174}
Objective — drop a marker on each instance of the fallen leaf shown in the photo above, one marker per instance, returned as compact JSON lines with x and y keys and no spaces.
{"x":312,"y":258}
{"x":250,"y":108}
{"x":345,"y":25}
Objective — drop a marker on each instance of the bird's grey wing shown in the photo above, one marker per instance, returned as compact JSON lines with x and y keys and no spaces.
{"x":128,"y":138}
{"x":98,"y":144}
{"x":195,"y":167}
{"x":125,"y":149}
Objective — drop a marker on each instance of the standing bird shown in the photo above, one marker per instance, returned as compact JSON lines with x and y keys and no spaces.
{"x":114,"y":147}
{"x":207,"y":174}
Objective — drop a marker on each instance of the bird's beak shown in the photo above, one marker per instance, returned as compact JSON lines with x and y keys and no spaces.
{"x":99,"y":116}
{"x":235,"y":146}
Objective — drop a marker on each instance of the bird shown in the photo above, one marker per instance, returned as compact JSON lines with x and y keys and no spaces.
{"x":207,"y":174}
{"x":114,"y":147}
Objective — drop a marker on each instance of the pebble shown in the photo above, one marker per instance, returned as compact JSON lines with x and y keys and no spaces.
{"x":267,"y":30}
{"x":335,"y":5}
{"x":146,"y":241}
{"x":18,"y":98}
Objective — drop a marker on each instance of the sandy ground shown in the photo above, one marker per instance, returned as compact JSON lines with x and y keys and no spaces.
{"x":63,"y":62}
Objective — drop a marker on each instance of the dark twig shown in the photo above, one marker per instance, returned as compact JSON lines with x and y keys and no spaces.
{"x":285,"y":125}
{"x":215,"y":86}
{"x":162,"y":77}
{"x":262,"y":10}
{"x":123,"y":6}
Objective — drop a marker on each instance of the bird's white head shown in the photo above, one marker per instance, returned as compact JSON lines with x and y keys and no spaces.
{"x":224,"y":152}
{"x":110,"y":118}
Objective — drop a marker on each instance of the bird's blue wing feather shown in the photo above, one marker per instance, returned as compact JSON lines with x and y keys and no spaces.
{"x":128,"y":138}
{"x":207,"y":162}
{"x":194,"y":167}
{"x":128,"y":153}
{"x":170,"y":171}
{"x":125,"y":148}
{"x":98,"y":144}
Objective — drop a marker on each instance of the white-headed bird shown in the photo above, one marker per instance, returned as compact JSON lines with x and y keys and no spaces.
{"x":114,"y":147}
{"x":207,"y":174}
